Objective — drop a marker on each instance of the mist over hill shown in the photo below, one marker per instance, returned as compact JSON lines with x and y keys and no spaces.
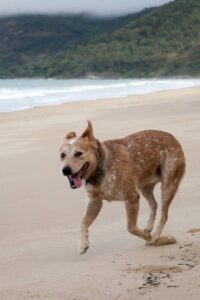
{"x":157,"y":42}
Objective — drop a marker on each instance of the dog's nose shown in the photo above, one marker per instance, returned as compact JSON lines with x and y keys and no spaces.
{"x":67,"y":171}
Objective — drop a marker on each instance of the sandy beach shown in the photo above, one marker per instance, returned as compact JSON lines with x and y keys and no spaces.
{"x":40,"y":215}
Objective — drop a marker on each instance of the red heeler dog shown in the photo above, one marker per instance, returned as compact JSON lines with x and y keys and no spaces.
{"x":121,"y":169}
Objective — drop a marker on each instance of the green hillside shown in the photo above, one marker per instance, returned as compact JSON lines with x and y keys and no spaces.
{"x":24,"y":39}
{"x":159,"y":42}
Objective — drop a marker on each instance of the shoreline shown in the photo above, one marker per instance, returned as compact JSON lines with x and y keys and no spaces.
{"x":22,"y":96}
{"x":104,"y":102}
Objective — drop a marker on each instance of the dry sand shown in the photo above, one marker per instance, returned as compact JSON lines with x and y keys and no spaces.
{"x":40,"y":214}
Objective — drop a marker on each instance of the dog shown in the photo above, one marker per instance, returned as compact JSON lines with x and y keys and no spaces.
{"x":122,"y":169}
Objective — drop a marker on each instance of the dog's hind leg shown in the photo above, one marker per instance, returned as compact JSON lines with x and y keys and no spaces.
{"x":93,"y":209}
{"x":147,"y":192}
{"x":132,"y":208}
{"x":169,"y":186}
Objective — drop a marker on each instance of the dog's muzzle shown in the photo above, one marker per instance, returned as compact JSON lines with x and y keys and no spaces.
{"x":75,"y":179}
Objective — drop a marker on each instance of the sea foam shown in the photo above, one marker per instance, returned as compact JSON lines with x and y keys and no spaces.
{"x":19,"y":94}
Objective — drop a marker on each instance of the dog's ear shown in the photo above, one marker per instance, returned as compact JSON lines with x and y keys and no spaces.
{"x":88,"y":132}
{"x":70,"y":135}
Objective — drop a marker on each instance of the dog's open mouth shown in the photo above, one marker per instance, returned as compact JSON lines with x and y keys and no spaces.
{"x":76,"y":179}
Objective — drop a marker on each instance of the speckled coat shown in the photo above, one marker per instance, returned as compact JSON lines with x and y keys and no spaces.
{"x":124,"y":168}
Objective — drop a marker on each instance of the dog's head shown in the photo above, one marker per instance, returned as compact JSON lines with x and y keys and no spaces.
{"x":79,"y":156}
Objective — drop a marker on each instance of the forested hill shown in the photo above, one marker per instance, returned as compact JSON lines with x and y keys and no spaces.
{"x":157,"y":42}
{"x":26,"y":40}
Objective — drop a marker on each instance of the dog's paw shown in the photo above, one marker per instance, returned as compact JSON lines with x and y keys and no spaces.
{"x":147,"y":235}
{"x":162,"y":240}
{"x":83,"y":246}
{"x":83,"y":250}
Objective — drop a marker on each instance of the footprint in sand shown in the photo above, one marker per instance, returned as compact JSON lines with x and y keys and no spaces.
{"x":154,"y":276}
{"x":157,"y":269}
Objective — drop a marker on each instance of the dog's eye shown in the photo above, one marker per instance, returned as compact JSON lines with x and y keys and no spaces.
{"x":62,"y":155}
{"x":78,"y":154}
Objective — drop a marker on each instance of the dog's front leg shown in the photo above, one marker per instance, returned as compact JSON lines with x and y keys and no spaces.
{"x":93,"y":208}
{"x":132,"y":208}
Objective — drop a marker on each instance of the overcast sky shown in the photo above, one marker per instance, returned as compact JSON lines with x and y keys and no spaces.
{"x":100,"y":7}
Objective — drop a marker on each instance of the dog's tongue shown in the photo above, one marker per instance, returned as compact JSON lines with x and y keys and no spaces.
{"x":77,"y":180}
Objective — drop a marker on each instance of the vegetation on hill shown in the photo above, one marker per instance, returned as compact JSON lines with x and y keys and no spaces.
{"x":28,"y":39}
{"x":163,"y":41}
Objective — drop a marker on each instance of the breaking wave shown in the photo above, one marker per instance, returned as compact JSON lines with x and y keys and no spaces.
{"x":19,"y":94}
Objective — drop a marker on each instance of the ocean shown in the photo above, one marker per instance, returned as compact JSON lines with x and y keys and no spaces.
{"x":20,"y":94}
